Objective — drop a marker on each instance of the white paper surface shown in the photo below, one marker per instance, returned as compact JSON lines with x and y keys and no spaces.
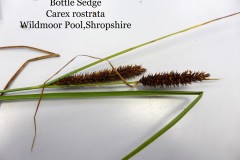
{"x":109,"y":128}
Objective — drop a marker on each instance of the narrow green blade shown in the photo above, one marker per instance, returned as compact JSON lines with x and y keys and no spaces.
{"x":119,"y":94}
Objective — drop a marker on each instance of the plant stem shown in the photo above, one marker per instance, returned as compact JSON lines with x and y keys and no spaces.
{"x":64,"y":86}
{"x":72,"y":95}
{"x":20,"y":89}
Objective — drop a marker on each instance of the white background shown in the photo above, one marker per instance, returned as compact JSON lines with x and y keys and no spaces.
{"x":110,"y":128}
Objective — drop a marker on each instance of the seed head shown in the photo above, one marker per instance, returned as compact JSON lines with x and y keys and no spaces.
{"x":173,"y":78}
{"x":106,"y":75}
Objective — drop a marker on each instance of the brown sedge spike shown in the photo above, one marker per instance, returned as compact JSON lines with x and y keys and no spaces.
{"x":102,"y":76}
{"x":172,"y":78}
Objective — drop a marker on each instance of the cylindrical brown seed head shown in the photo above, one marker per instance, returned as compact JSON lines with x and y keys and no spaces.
{"x":173,"y":79}
{"x":107,"y":75}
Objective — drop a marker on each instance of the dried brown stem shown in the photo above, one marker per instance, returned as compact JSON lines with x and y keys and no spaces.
{"x":13,"y":78}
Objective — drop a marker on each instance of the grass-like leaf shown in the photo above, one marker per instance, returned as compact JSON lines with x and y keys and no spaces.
{"x":118,"y":54}
{"x":119,"y":94}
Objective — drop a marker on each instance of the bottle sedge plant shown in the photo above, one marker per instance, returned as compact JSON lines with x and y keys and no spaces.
{"x":64,"y":81}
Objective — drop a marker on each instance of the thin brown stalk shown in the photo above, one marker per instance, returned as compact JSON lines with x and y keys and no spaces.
{"x":24,"y":65}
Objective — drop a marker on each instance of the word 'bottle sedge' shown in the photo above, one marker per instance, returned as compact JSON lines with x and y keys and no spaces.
{"x":91,"y":3}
